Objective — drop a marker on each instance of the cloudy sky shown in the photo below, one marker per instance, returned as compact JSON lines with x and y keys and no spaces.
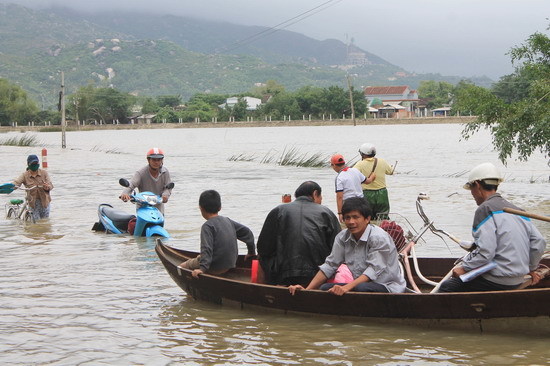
{"x":459,"y":37}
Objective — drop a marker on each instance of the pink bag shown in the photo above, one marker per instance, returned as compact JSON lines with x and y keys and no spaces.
{"x":343,"y":275}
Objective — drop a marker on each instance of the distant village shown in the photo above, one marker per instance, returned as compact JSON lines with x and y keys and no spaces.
{"x":382,"y":101}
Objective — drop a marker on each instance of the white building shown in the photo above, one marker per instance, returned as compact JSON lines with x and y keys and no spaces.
{"x":251,"y":103}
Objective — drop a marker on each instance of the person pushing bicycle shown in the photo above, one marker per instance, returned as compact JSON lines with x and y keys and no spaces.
{"x":38,"y":184}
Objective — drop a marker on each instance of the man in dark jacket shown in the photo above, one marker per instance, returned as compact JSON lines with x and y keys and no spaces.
{"x":297,"y":237}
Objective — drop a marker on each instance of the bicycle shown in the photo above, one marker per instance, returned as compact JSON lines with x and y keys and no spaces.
{"x":20,"y":209}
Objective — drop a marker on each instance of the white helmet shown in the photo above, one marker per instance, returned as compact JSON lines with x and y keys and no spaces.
{"x":367,"y":149}
{"x":486,"y":172}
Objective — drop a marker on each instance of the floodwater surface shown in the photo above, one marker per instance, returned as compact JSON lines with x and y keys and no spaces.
{"x":73,"y":296}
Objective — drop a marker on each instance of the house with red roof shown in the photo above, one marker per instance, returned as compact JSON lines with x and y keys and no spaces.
{"x":401,"y":95}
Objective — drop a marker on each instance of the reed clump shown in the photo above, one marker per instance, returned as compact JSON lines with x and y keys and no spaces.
{"x":241,"y":157}
{"x":98,"y":148}
{"x":25,"y":140}
{"x":289,"y":157}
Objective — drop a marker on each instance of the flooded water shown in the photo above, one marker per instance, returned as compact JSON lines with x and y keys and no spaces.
{"x":72,"y":296}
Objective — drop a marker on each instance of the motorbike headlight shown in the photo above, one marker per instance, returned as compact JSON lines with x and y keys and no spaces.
{"x":152,"y":200}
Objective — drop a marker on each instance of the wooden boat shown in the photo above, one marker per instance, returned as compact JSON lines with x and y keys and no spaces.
{"x":531,"y":304}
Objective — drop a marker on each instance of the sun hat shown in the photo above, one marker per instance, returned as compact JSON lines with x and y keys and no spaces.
{"x":486,"y":172}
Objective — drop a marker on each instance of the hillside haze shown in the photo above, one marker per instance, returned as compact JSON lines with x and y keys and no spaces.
{"x":154,"y":55}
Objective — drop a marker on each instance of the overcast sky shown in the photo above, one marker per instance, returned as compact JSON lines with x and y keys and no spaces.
{"x":451,"y":37}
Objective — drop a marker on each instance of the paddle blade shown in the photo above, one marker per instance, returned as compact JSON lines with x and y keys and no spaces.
{"x":7,"y":188}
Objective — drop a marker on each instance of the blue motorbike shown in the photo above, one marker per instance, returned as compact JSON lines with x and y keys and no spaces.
{"x":148,"y":220}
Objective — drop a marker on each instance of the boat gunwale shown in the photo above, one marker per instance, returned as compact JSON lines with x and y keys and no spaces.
{"x":179,"y":253}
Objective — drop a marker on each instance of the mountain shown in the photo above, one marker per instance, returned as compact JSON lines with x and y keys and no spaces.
{"x":210,"y":37}
{"x":154,"y":55}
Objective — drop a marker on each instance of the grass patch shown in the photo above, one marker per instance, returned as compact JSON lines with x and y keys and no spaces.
{"x":293,"y":157}
{"x":242,"y":157}
{"x":456,"y":174}
{"x":50,"y":129}
{"x":97,"y":148}
{"x":289,"y":157}
{"x":25,"y":140}
{"x":542,"y":178}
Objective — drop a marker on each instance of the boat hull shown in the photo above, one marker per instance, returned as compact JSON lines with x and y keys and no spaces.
{"x":234,"y":287}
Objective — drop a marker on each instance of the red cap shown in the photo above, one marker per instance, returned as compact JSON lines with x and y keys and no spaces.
{"x":337,"y":159}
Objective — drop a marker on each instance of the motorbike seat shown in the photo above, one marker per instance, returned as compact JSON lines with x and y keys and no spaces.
{"x":117,"y":216}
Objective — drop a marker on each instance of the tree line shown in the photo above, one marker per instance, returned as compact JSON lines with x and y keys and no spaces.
{"x":516,"y":109}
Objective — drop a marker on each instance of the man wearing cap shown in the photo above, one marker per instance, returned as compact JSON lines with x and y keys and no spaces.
{"x":375,"y":192}
{"x":507,"y":246}
{"x":153,"y":177}
{"x":38,"y":184}
{"x":347,"y":182}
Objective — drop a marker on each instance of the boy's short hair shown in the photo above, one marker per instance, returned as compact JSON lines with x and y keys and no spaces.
{"x":357,"y":204}
{"x":307,"y":188}
{"x":210,"y":201}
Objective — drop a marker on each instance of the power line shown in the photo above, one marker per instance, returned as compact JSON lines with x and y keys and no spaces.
{"x":266,"y":32}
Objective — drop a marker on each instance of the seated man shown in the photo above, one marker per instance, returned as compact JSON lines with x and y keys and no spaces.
{"x":368,"y":251}
{"x":511,"y":243}
{"x":219,"y":234}
{"x":297,"y":237}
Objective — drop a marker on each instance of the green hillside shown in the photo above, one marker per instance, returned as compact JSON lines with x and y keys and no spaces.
{"x":156,"y":55}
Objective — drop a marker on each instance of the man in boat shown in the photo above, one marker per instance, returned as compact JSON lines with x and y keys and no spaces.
{"x":375,"y":192}
{"x":219,"y":234}
{"x":153,"y":177}
{"x":297,"y":237}
{"x":347,"y":182}
{"x":368,"y":251}
{"x":508,"y":246}
{"x":38,"y":184}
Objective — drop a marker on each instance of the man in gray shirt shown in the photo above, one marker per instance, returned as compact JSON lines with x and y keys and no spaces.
{"x":153,"y":177}
{"x":508,"y":246}
{"x":368,"y":251}
{"x":219,"y":234}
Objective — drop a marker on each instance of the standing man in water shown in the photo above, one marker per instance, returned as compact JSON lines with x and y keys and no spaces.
{"x":153,"y":177}
{"x":375,"y":193}
{"x":347,"y":182}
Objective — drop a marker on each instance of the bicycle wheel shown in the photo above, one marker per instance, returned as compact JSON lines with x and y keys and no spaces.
{"x":29,"y":217}
{"x":12,"y":213}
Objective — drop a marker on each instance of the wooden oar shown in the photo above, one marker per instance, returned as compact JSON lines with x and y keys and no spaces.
{"x":526,"y":214}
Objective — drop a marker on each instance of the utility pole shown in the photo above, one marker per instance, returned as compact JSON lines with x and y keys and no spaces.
{"x":76,"y":111}
{"x":351,"y":100}
{"x":62,"y":107}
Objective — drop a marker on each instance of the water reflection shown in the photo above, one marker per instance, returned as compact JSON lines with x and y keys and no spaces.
{"x":208,"y":333}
